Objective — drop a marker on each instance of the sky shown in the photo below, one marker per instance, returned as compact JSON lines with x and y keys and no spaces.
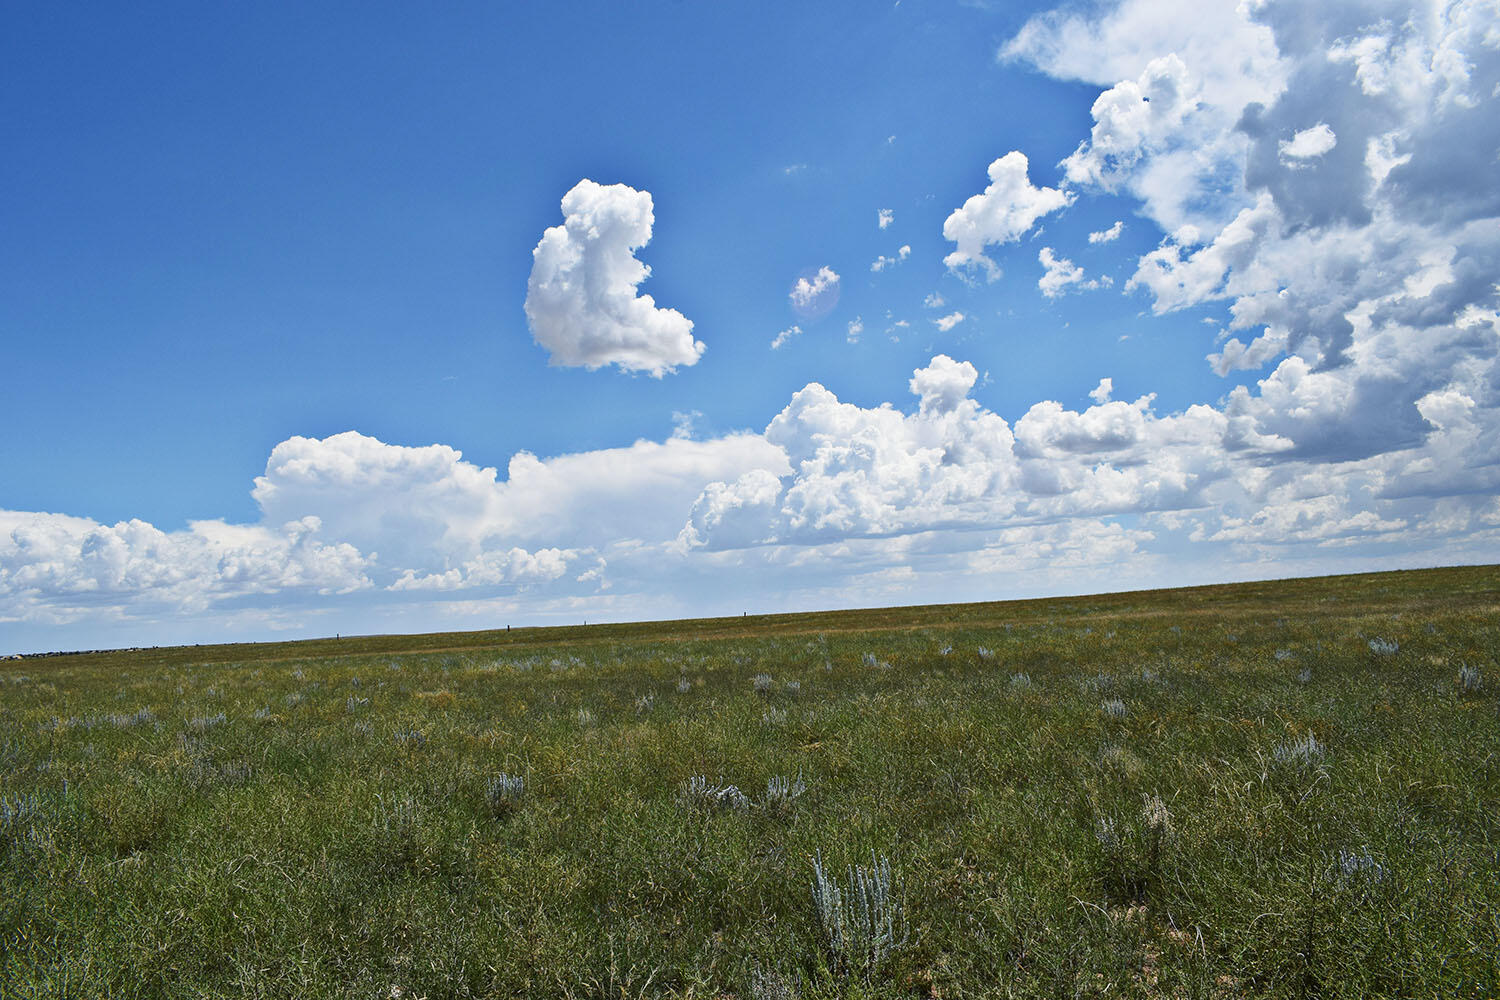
{"x":318,"y":319}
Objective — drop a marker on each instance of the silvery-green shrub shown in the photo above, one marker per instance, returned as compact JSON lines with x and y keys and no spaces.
{"x":203,"y":723}
{"x":782,"y":792}
{"x":18,"y":810}
{"x":410,"y":738}
{"x":772,"y":984}
{"x":861,"y":921}
{"x":1304,"y":754}
{"x":503,"y":792}
{"x":1358,"y":866}
{"x":698,"y":793}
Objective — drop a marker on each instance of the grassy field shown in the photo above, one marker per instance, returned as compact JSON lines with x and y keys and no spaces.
{"x":1280,"y":789}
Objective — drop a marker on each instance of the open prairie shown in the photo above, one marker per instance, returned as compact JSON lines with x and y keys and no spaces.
{"x":1277,"y":789}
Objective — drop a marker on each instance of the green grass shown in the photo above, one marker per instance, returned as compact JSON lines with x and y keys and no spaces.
{"x":337,"y":835}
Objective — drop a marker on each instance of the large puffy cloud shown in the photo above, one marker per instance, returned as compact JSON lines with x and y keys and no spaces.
{"x":1235,"y":56}
{"x":1132,"y":119}
{"x":1178,"y":74}
{"x":1117,"y":457}
{"x":1340,"y":211}
{"x":427,"y":510}
{"x":624,"y":496}
{"x":867,"y":472}
{"x":352,"y":515}
{"x":1270,"y":469}
{"x":1008,"y":207}
{"x":582,"y":300}
{"x":877,"y":472}
{"x":416,"y":508}
{"x":58,"y":568}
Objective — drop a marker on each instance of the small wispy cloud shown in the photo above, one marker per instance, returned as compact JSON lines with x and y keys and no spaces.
{"x":948,"y":322}
{"x":1108,"y":235}
{"x":814,"y":294}
{"x":1309,"y":144}
{"x":883,"y":262}
{"x":1061,"y":273}
{"x":683,"y":422}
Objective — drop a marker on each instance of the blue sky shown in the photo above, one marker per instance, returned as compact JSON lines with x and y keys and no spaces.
{"x":267,"y":273}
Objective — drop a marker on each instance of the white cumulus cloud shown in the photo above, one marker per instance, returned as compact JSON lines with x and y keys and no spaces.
{"x":1132,"y":120}
{"x":1058,"y":273}
{"x":883,"y":262}
{"x":785,"y":335}
{"x":1308,"y":144}
{"x":815,"y":294}
{"x":1107,"y":235}
{"x":1002,"y":213}
{"x":582,"y":300}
